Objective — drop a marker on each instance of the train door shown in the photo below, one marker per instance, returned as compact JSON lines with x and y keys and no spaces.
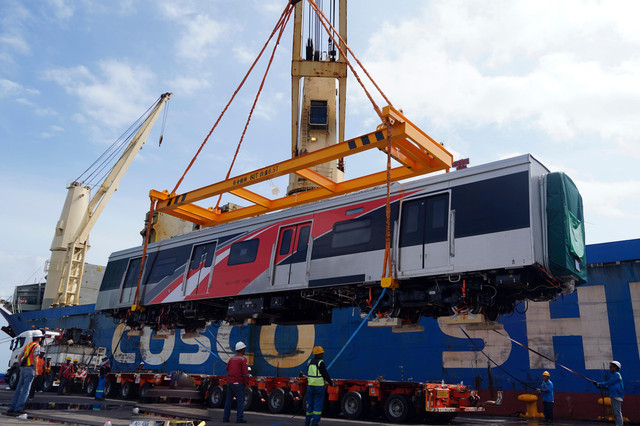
{"x":130,"y":282}
{"x":424,"y":234}
{"x":198,"y":277}
{"x":290,"y":261}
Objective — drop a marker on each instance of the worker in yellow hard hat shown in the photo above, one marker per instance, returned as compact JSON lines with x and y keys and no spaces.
{"x":546,"y":389}
{"x":317,"y":377}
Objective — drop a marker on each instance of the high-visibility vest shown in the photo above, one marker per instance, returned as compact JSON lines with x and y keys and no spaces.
{"x":39,"y":366}
{"x":314,"y":378}
{"x":47,"y":368}
{"x":28,"y":353}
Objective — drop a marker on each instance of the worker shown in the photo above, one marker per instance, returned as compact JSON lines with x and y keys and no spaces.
{"x":105,"y":369}
{"x":140,"y":367}
{"x":237,"y":379}
{"x":546,"y":389}
{"x":616,"y":391}
{"x":317,"y":376}
{"x":36,"y":386}
{"x":27,"y":362}
{"x":65,"y":375}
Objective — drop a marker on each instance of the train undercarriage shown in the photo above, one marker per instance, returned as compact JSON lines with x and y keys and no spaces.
{"x":491,"y":293}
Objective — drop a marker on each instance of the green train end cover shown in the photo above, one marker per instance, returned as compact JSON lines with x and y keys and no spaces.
{"x":565,"y":229}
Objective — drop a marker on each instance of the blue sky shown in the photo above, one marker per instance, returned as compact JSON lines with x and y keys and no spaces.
{"x":489,"y":79}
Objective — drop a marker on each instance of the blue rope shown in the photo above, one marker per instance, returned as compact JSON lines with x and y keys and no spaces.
{"x":359,"y":327}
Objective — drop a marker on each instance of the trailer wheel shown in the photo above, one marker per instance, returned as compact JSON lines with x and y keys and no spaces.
{"x":14,"y":376}
{"x":47,"y":384}
{"x":144,"y":393}
{"x":397,"y":408}
{"x":110,"y":389}
{"x":248,"y":399}
{"x":216,"y":396}
{"x":353,"y":405}
{"x":92,"y":385}
{"x":128,"y":390}
{"x":279,"y":401}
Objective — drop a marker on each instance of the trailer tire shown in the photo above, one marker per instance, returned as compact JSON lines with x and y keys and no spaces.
{"x":47,"y":383}
{"x":14,"y":376}
{"x":111,"y":389}
{"x":216,"y":396}
{"x":92,"y":385}
{"x":144,"y":393}
{"x":353,"y":405}
{"x":279,"y":401}
{"x":249,"y":399}
{"x":128,"y":390}
{"x":398,"y":408}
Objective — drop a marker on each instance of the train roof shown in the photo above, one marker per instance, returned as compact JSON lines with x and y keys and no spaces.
{"x":405,"y":186}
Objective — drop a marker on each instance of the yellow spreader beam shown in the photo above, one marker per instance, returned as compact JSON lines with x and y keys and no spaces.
{"x":416,"y":151}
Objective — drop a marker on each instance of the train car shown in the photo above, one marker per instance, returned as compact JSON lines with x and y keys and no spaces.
{"x":477,"y":240}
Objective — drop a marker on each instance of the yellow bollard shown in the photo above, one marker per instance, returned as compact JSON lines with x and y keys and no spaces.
{"x":532,"y":406}
{"x":607,"y":404}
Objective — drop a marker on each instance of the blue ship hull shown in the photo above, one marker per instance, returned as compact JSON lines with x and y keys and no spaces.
{"x":583,"y":331}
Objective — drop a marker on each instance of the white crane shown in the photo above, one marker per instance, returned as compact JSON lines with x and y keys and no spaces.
{"x":79,"y":214}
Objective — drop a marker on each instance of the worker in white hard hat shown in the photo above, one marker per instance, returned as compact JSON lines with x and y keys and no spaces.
{"x":237,"y":379}
{"x":27,"y":373}
{"x":616,"y":391}
{"x":546,"y":389}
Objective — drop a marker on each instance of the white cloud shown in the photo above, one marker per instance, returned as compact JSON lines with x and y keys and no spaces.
{"x":9,"y":88}
{"x":490,"y":63}
{"x":611,"y":200}
{"x":119,"y":93}
{"x":189,"y":86}
{"x":62,"y":9}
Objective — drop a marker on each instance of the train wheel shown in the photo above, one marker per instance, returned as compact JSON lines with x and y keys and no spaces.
{"x":92,"y":385}
{"x":249,"y":399}
{"x":216,"y":397}
{"x":278,"y":401}
{"x":397,"y":408}
{"x":13,"y":379}
{"x":128,"y":390}
{"x":353,"y":405}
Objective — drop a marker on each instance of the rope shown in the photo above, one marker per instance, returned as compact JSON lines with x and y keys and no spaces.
{"x":526,"y":385}
{"x":255,"y":101}
{"x":358,"y":329}
{"x":278,"y":25}
{"x":147,"y":235}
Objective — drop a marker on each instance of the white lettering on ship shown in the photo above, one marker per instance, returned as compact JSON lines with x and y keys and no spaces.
{"x":162,"y":356}
{"x":118,"y":355}
{"x":195,"y":358}
{"x":634,"y":290}
{"x":306,"y":339}
{"x":496,"y":346}
{"x":592,"y":325}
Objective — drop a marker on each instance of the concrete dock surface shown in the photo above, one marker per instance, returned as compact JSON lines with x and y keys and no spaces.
{"x":50,"y":408}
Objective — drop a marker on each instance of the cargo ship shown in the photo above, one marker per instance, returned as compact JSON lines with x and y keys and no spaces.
{"x":584,"y":329}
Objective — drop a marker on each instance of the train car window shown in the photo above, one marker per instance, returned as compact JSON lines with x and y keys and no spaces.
{"x":113,"y":274}
{"x":437,"y":218}
{"x":351,"y":233}
{"x":161,"y":268}
{"x":285,"y":245}
{"x":131,"y":279}
{"x":243,"y":252}
{"x":202,"y":254}
{"x":303,"y":238}
{"x":411,"y":225}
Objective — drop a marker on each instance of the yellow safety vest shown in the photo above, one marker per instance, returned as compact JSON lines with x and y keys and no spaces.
{"x":314,"y":378}
{"x":28,"y":353}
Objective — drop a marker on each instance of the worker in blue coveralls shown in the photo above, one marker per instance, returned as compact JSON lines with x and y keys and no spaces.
{"x":616,"y":391}
{"x":546,"y":389}
{"x":317,"y":376}
{"x":105,"y":368}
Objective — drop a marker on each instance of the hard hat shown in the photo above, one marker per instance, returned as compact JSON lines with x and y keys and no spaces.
{"x":240,"y":346}
{"x":616,"y":363}
{"x":546,"y":373}
{"x":75,"y":360}
{"x":37,"y":333}
{"x":318,"y":350}
{"x":68,"y":358}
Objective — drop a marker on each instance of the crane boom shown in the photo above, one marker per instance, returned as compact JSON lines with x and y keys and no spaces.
{"x":79,"y":214}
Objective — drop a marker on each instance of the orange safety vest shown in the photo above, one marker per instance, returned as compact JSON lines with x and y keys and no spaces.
{"x":47,"y":368}
{"x":39,"y":366}
{"x":28,"y":353}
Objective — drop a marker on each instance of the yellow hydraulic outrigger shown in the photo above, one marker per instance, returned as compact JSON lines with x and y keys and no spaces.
{"x":416,"y":151}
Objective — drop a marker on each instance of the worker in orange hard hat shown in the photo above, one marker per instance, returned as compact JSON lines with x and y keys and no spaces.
{"x":317,"y":377}
{"x":546,"y":389}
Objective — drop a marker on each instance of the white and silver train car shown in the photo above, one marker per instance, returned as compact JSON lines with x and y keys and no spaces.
{"x":480,"y":240}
